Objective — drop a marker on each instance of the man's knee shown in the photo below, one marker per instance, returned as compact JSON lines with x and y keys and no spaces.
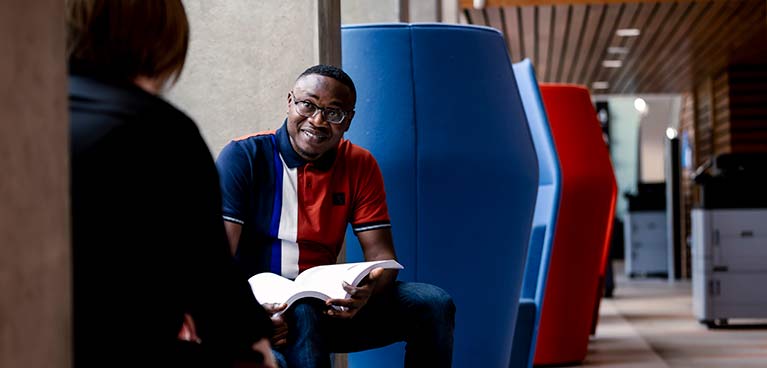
{"x":304,"y":313}
{"x":431,"y":299}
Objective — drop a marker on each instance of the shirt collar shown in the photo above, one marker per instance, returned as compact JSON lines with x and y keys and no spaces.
{"x":293,"y":160}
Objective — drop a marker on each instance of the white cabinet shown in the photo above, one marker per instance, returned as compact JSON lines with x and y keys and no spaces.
{"x":645,"y":243}
{"x":729,"y":264}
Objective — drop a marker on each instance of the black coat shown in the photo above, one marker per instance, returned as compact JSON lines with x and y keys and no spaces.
{"x":148,"y":237}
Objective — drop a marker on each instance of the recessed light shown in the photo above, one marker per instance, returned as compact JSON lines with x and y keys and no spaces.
{"x":627,"y":32}
{"x":600,"y":85}
{"x":617,"y":50}
{"x":612,"y":63}
{"x":640,"y":105}
{"x":671,"y":133}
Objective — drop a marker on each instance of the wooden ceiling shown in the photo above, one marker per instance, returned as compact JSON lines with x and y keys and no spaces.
{"x":681,"y":42}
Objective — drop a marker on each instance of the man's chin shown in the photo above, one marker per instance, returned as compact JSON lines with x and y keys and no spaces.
{"x":309,"y":155}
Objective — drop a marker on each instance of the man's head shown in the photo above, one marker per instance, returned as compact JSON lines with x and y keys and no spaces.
{"x":320,"y":110}
{"x":126,"y":40}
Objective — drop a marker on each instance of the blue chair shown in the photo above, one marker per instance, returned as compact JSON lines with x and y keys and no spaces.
{"x":439,"y":108}
{"x":544,"y":221}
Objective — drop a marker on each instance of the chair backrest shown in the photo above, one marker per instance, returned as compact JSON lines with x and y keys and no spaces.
{"x":439,"y":108}
{"x":585,"y":215}
{"x":549,"y":188}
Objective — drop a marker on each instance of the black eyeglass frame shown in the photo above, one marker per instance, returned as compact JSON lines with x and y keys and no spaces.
{"x":322,"y":110}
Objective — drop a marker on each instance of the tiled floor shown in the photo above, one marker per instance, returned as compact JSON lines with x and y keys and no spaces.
{"x":649,"y":323}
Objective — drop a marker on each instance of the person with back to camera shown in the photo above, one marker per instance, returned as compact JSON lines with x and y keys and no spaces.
{"x":149,"y":249}
{"x":288,"y":197}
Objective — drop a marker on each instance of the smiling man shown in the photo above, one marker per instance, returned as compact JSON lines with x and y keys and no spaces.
{"x":288,"y":197}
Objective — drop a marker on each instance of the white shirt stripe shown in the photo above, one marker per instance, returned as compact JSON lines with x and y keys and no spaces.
{"x":288,"y":232}
{"x":371,"y":227}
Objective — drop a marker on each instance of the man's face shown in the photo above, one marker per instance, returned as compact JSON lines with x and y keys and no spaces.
{"x":311,"y":137}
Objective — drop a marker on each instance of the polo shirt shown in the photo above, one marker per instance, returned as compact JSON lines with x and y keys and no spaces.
{"x":294,"y":212}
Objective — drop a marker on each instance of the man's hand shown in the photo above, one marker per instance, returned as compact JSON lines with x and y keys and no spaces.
{"x":359,"y":296}
{"x":280,"y":336}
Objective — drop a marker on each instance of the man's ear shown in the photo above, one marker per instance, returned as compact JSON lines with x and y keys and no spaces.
{"x":349,"y":121}
{"x":289,"y":101}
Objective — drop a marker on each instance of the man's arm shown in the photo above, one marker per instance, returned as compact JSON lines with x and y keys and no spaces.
{"x":233,"y":232}
{"x":378,"y":245}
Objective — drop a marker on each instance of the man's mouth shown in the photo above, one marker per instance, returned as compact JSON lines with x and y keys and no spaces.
{"x":313,"y":134}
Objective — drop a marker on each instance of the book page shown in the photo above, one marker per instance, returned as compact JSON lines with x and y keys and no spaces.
{"x":271,"y":288}
{"x":329,"y":279}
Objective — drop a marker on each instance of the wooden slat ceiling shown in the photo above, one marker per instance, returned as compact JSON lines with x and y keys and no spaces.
{"x":681,"y":42}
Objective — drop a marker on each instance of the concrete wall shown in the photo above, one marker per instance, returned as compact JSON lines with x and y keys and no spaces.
{"x":375,"y":11}
{"x":663,"y":112}
{"x":243,"y":59}
{"x":637,"y":142}
{"x":409,"y":11}
{"x":35,"y":302}
{"x":624,"y":147}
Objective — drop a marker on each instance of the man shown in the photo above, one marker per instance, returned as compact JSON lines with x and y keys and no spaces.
{"x":288,"y":197}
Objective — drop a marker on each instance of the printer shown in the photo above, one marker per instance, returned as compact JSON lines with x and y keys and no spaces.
{"x":644,"y":224}
{"x":729,"y":239}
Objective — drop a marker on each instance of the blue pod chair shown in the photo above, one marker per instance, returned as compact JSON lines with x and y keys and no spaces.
{"x":544,"y":220}
{"x":439,"y":108}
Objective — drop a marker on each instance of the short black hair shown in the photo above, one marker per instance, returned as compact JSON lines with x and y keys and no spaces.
{"x":331,"y":72}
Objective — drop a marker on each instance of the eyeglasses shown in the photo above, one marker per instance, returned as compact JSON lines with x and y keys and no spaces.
{"x":308,"y":110}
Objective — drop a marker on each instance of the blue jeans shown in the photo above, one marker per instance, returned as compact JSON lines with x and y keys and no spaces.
{"x":422,"y":315}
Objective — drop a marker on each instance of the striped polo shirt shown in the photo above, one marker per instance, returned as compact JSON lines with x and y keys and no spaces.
{"x":294,"y":212}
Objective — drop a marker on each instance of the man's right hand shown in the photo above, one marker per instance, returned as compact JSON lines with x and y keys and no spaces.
{"x":280,"y":336}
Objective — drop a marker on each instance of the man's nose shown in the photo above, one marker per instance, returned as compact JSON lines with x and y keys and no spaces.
{"x":318,"y":118}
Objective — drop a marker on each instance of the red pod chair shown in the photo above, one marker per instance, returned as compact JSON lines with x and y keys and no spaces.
{"x":581,"y":237}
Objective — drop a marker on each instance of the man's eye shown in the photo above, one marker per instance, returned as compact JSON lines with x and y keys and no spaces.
{"x":333,"y":114}
{"x":305,"y":104}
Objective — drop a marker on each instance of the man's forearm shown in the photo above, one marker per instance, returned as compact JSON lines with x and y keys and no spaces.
{"x":385,"y":281}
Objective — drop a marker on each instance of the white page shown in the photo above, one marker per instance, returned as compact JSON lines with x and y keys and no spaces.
{"x":271,"y":288}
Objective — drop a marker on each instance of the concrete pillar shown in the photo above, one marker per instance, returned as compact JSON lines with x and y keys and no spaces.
{"x":375,"y":11}
{"x":387,"y":11}
{"x":244,"y":57}
{"x":450,"y":11}
{"x":35,"y":282}
{"x":425,"y":11}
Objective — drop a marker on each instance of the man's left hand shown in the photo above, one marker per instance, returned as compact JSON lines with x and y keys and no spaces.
{"x":358,"y":297}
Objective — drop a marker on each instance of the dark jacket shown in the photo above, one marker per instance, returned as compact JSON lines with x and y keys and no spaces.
{"x":148,"y":238}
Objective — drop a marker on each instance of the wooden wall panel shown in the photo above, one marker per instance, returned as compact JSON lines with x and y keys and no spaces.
{"x":748,"y":107}
{"x":681,"y":41}
{"x":688,"y":190}
{"x":659,"y":14}
{"x":692,"y":17}
{"x":598,"y":53}
{"x":592,"y":25}
{"x":571,"y":46}
{"x":513,"y":32}
{"x":528,"y":14}
{"x":545,"y":30}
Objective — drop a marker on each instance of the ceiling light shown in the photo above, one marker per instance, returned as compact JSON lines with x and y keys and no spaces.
{"x":617,"y":50}
{"x":671,"y":133}
{"x":600,"y":85}
{"x":641,"y":106}
{"x":479,"y":4}
{"x":612,"y":63}
{"x":627,"y":32}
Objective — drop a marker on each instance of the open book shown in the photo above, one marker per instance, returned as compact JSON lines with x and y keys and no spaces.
{"x":321,"y":282}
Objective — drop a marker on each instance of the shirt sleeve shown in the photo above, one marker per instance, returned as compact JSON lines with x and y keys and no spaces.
{"x":369,"y":210}
{"x":235,"y":171}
